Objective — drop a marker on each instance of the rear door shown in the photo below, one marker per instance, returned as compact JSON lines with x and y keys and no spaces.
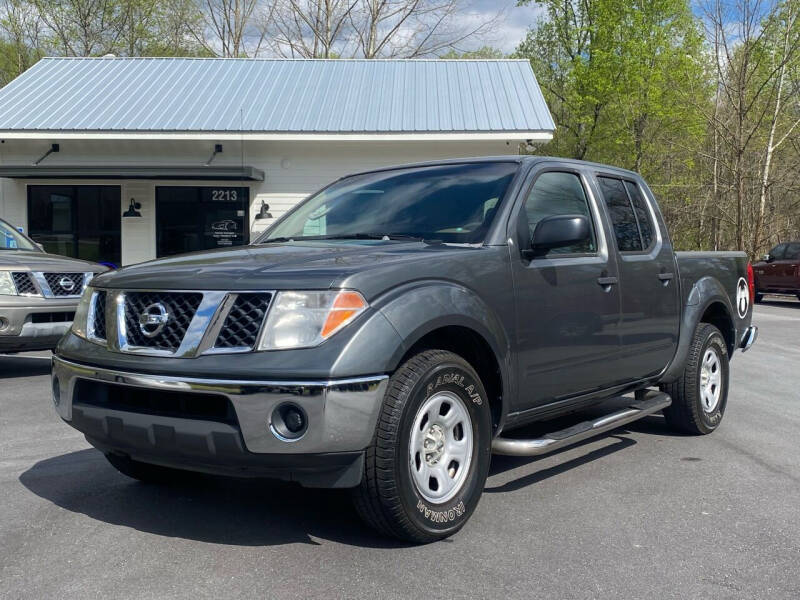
{"x":567,"y":301}
{"x":649,"y":294}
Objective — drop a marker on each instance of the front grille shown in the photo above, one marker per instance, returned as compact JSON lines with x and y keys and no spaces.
{"x":243,"y":322}
{"x":52,"y":317}
{"x":65,"y":284}
{"x":180,"y":308}
{"x":98,"y":317}
{"x":182,"y":405}
{"x":24,"y":283}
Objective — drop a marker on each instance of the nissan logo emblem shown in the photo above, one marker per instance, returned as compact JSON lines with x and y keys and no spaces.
{"x":153,"y":319}
{"x":66,"y":284}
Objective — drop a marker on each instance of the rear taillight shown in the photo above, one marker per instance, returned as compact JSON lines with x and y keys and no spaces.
{"x":751,"y":283}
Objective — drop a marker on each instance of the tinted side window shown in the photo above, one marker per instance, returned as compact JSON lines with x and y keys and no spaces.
{"x":559,"y":193}
{"x":642,"y":213}
{"x":621,"y":212}
{"x":792,"y":251}
{"x":778,"y":251}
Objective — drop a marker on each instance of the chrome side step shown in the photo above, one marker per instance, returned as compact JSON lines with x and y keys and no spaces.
{"x":651,"y":403}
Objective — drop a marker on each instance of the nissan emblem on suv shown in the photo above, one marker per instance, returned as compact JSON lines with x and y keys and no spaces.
{"x":66,"y":284}
{"x":153,"y":319}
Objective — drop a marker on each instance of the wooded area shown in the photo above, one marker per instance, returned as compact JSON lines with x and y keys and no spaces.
{"x":702,"y":98}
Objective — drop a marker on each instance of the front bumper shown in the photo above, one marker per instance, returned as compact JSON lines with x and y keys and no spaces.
{"x":19,"y":332}
{"x":341,"y":416}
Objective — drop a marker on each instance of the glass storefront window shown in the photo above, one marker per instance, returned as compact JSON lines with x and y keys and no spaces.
{"x":81,"y":221}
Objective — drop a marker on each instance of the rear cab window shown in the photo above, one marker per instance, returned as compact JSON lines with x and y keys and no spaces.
{"x":634,"y":230}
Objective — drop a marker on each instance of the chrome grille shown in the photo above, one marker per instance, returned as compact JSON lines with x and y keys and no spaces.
{"x":180,"y":308}
{"x":241,"y":326}
{"x":23,"y":281}
{"x":65,"y":284}
{"x":97,"y":325}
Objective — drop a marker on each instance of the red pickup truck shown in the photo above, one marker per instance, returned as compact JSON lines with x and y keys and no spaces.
{"x":779,"y":272}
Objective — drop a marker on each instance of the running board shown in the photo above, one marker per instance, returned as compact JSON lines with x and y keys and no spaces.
{"x":651,"y":403}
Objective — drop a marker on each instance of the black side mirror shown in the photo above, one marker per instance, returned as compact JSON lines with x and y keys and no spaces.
{"x":557,"y":232}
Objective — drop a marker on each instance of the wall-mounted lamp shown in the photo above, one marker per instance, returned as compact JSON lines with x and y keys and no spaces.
{"x":133,"y":209}
{"x":217,"y":150}
{"x":53,"y":148}
{"x":264,"y":212}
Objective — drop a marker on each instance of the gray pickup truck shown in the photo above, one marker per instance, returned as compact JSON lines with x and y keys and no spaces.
{"x":39,"y":292}
{"x":389,"y":332}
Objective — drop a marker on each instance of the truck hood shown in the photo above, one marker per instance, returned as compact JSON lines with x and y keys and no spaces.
{"x":299,"y":265}
{"x":31,"y":260}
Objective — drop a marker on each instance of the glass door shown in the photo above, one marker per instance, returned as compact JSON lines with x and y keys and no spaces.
{"x":200,"y":218}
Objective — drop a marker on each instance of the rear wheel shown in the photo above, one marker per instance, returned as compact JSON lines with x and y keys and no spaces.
{"x":427,"y":465}
{"x":700,"y":395}
{"x":145,"y":472}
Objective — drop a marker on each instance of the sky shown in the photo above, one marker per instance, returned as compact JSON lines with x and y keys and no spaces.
{"x":514,"y":22}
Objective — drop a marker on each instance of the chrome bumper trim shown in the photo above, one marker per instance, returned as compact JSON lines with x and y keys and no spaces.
{"x":749,"y":338}
{"x":342,"y":413}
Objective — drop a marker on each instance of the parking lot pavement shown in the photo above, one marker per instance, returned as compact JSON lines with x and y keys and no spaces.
{"x":639,"y":513}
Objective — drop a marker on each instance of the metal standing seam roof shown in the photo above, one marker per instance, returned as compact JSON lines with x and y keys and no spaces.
{"x":132,"y":95}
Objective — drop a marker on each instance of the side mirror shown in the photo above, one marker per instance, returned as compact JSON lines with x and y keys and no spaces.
{"x":768,"y":258}
{"x":557,"y":232}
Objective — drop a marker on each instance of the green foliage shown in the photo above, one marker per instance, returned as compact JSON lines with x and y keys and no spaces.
{"x":482,"y":52}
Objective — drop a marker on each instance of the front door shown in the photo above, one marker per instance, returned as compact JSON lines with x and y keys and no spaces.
{"x":648,"y":280}
{"x":567,"y":301}
{"x":787,"y":269}
{"x":200,"y":218}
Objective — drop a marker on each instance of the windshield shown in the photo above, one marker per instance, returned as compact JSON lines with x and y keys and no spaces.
{"x":451,"y":203}
{"x":11,"y":239}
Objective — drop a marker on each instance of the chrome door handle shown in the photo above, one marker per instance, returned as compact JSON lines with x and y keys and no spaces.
{"x":666,"y":276}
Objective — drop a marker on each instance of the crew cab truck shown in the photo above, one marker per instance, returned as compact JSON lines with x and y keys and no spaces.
{"x":779,"y":272}
{"x":388,"y":332}
{"x":39,"y":292}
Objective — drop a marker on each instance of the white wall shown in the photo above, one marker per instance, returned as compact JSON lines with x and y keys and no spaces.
{"x":292,"y":171}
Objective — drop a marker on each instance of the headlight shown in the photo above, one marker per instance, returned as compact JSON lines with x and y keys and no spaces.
{"x":79,"y":323}
{"x":305,"y":319}
{"x":7,"y":287}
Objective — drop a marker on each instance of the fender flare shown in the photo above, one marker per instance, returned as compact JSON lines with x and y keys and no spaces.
{"x":705,"y":292}
{"x":421,"y":307}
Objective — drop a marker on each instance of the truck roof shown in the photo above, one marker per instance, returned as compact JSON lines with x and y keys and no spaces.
{"x":517,"y":158}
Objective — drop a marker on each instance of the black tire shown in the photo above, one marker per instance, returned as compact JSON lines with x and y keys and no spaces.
{"x":688,"y":412}
{"x":146,"y":472}
{"x":388,"y":498}
{"x":760,"y":297}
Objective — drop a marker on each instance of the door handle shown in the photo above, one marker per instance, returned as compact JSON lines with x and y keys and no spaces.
{"x":604,"y":281}
{"x":666,"y":276}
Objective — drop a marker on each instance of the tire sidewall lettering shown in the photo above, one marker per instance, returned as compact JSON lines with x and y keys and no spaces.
{"x":454,"y":512}
{"x":712,"y":420}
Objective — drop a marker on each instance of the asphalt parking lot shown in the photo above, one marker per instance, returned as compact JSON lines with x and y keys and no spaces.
{"x":639,"y":513}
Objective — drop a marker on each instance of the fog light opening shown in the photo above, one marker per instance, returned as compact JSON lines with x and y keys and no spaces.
{"x":288,"y":422}
{"x":3,"y":323}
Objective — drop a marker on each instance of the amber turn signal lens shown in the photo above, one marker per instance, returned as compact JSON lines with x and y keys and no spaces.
{"x":344,"y":309}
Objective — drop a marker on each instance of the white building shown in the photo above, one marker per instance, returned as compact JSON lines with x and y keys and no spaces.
{"x":209,"y":152}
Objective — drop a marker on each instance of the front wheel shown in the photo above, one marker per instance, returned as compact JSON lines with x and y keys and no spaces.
{"x":700,"y":395}
{"x":428,"y":462}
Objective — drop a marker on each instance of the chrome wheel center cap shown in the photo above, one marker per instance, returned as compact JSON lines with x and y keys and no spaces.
{"x":434,"y":444}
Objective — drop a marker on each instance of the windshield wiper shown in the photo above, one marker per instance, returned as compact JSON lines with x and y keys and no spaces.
{"x":350,"y":236}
